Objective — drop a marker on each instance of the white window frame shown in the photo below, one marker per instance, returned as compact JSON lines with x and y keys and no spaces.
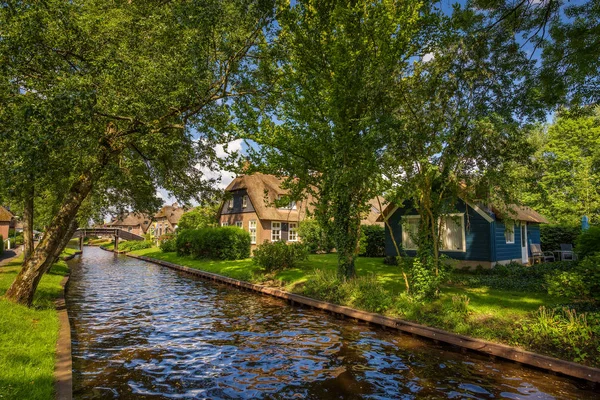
{"x":461,"y":218}
{"x":230,"y":205}
{"x":225,"y":223}
{"x":405,"y":234}
{"x":293,"y":232}
{"x":508,"y":233}
{"x":239,"y":224}
{"x":245,"y":201}
{"x":275,"y":227}
{"x":252,"y":229}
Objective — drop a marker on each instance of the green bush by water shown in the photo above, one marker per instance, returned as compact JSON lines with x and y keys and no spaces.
{"x":222,"y":243}
{"x":277,"y":256}
{"x":135,"y":245}
{"x":169,"y":245}
{"x":314,"y":236}
{"x":582,"y":282}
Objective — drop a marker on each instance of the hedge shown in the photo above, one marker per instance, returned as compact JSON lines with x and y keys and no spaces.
{"x":372,"y":241}
{"x":588,"y":242}
{"x":552,"y":236}
{"x":222,"y":243}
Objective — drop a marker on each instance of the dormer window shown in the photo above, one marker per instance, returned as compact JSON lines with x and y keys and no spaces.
{"x":290,"y":206}
{"x":244,"y":201}
{"x":230,"y":204}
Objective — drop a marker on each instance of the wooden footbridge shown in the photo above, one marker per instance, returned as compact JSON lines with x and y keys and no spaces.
{"x":114,"y":232}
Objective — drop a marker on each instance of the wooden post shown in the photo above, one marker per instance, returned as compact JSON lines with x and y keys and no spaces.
{"x":116,"y":243}
{"x":80,"y":243}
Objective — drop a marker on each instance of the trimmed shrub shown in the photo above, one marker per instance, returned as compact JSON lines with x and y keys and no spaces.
{"x":135,"y":245}
{"x":588,"y":242}
{"x":222,"y":243}
{"x":372,"y":241}
{"x":552,"y":236}
{"x":314,"y":237}
{"x":277,"y":256}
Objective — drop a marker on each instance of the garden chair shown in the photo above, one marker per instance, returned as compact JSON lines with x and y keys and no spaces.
{"x":567,"y":253}
{"x":542,"y":256}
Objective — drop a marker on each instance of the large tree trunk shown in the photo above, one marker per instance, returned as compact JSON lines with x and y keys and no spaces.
{"x":28,"y":224}
{"x":346,"y":226}
{"x":26,"y":282}
{"x":65,"y":240}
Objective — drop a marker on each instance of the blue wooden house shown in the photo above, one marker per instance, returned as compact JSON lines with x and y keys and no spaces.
{"x":473,"y":234}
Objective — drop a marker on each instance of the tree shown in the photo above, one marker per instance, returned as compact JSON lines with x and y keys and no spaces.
{"x":199,"y":217}
{"x":566,"y":182}
{"x":131,"y":96}
{"x":459,"y":130}
{"x":331,"y":68}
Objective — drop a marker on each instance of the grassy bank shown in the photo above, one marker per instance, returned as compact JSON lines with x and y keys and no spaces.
{"x":28,"y":337}
{"x":521,"y":314}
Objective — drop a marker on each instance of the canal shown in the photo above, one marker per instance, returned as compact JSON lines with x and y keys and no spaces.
{"x":141,"y":331}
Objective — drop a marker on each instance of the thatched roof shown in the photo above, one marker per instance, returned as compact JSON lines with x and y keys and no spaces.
{"x":263,"y":190}
{"x":132,"y":219}
{"x":520,"y":213}
{"x":172,"y":213}
{"x":372,"y":218}
{"x":5,"y":215}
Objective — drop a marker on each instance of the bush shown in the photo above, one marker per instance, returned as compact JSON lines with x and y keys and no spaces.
{"x":552,"y":236}
{"x":223,"y":243}
{"x":390,"y":260}
{"x":372,"y":241}
{"x":277,"y":256}
{"x":588,"y":242}
{"x":135,"y":245}
{"x":169,"y":245}
{"x":423,"y":281}
{"x":363,"y":292}
{"x":314,"y":237}
{"x":582,"y":282}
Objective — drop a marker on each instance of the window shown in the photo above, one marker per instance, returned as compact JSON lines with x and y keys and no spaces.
{"x":225,"y":223}
{"x":244,"y":201}
{"x":509,"y":232}
{"x":410,"y":228}
{"x":230,"y":204}
{"x":252,"y":227}
{"x":452,"y":233}
{"x":293,"y":233}
{"x":239,"y":224}
{"x":275,"y":231}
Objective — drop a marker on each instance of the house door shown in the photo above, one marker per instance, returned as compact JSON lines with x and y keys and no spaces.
{"x":524,"y":249}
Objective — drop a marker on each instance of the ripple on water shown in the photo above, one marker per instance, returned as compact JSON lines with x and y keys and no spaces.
{"x":146,"y":332}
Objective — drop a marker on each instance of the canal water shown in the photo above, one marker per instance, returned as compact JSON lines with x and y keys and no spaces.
{"x":141,"y":331}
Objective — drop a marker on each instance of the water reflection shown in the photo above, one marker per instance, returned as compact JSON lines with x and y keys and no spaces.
{"x":145,"y":332}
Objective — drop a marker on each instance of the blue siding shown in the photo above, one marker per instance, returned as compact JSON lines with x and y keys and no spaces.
{"x":238,"y":202}
{"x":477,"y":234}
{"x":533,"y":234}
{"x":507,"y":251}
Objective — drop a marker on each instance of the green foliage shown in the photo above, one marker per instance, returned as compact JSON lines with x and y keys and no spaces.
{"x":460,"y":304}
{"x":277,"y":256}
{"x":390,"y":260}
{"x":552,"y":236}
{"x":199,"y":217}
{"x":135,"y":245}
{"x":588,"y":242}
{"x":364,"y":292}
{"x":561,"y":330}
{"x":372,"y":241}
{"x":169,"y":245}
{"x":583,"y":281}
{"x":222,"y":243}
{"x":423,"y":281}
{"x":314,"y":236}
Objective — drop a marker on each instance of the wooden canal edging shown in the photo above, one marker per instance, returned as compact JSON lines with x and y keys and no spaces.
{"x":528,"y":358}
{"x":63,"y":368}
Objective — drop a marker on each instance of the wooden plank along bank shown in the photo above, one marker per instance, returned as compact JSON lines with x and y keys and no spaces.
{"x":555,"y":365}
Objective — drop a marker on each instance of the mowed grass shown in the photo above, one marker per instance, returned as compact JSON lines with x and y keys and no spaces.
{"x":493,"y":314}
{"x":28,"y":337}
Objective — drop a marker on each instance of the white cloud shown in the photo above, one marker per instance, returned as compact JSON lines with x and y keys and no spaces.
{"x":235,"y":146}
{"x":428,"y":57}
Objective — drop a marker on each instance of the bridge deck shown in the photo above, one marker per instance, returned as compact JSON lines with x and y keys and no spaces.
{"x":120,"y":233}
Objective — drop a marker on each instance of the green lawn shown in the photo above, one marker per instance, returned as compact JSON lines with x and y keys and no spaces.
{"x":491,"y":314}
{"x":28,"y":337}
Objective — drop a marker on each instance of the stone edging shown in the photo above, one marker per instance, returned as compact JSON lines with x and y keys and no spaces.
{"x":63,"y":368}
{"x":528,"y":358}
